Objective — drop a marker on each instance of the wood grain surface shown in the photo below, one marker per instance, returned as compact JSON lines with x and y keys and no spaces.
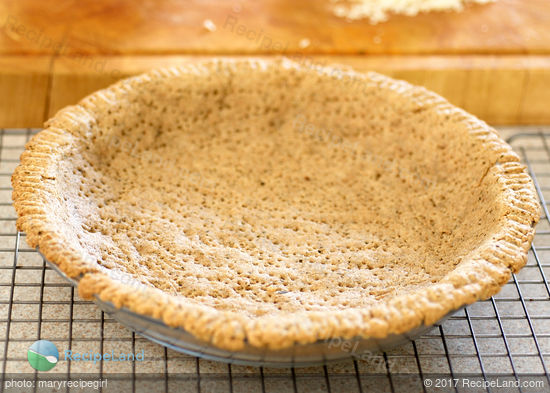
{"x":267,"y":26}
{"x":24,"y":90}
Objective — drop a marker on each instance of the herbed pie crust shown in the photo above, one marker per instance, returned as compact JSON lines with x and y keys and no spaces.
{"x":268,"y":203}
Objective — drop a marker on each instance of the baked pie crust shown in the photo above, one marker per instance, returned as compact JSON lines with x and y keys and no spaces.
{"x":271,"y":203}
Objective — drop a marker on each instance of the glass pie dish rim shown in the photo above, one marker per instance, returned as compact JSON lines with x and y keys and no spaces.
{"x":299,"y":355}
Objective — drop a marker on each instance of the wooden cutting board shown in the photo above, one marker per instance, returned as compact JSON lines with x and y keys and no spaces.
{"x":493,"y":60}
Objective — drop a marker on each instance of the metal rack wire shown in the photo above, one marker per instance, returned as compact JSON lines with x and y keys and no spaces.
{"x":506,"y":336}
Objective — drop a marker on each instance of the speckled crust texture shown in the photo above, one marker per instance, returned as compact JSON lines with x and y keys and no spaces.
{"x":61,"y":236}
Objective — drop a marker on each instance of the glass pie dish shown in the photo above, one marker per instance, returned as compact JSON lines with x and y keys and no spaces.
{"x":266,"y":212}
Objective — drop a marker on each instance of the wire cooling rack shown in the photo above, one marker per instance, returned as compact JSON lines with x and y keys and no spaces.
{"x":507,"y":336}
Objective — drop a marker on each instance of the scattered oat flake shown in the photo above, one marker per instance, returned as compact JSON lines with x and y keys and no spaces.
{"x":379,"y":10}
{"x":209,"y":25}
{"x":304,"y":43}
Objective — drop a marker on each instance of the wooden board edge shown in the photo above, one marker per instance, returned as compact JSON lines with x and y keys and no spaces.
{"x":498,"y":89}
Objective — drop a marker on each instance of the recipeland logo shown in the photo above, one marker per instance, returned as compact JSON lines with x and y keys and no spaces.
{"x":43,"y":355}
{"x":106,"y":357}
